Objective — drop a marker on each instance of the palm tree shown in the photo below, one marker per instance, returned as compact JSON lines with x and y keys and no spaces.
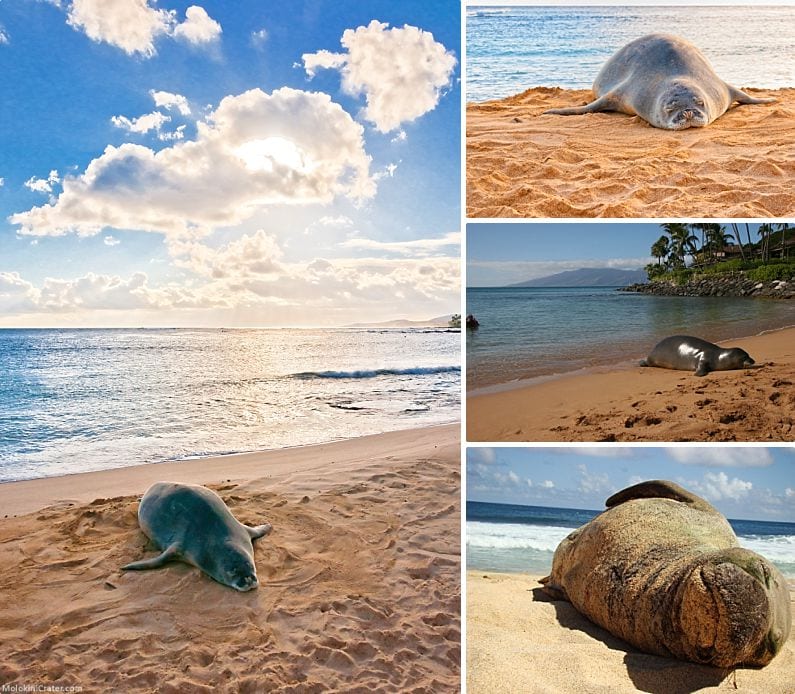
{"x":736,"y":230}
{"x":660,"y":249}
{"x":716,"y":238}
{"x":682,"y":244}
{"x":765,"y":230}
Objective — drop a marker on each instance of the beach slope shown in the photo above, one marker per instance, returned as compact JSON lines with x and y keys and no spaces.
{"x":518,"y":640}
{"x":359,"y":580}
{"x":522,"y":163}
{"x":650,"y":404}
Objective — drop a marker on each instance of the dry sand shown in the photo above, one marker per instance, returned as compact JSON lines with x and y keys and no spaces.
{"x":518,"y":640}
{"x":359,"y":580}
{"x":650,"y":404}
{"x":521,"y":163}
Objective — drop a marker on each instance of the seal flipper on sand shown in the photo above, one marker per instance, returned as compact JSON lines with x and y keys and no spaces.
{"x":171,"y":552}
{"x":658,"y":489}
{"x":259,"y":531}
{"x":606,"y":102}
{"x":741,"y":97}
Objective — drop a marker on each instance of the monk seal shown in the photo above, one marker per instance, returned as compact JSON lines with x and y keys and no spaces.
{"x":666,"y":81}
{"x":687,"y":353}
{"x":192,"y":524}
{"x":662,"y":569}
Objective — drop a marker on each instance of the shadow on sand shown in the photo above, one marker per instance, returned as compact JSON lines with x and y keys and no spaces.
{"x":649,"y":673}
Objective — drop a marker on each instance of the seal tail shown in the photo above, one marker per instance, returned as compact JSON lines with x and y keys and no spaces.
{"x":259,"y":531}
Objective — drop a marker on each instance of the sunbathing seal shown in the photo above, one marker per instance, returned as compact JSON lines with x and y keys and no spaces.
{"x":688,"y":353}
{"x":192,"y":524}
{"x":666,"y":81}
{"x":661,"y":569}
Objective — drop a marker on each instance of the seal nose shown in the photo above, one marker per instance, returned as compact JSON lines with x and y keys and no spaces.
{"x":688,"y":114}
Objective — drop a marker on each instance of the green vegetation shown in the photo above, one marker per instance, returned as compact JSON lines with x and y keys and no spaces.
{"x":455,"y":321}
{"x":686,"y":250}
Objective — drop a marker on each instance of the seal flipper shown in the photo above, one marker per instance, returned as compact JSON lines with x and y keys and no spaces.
{"x":606,"y":102}
{"x":258,"y":531}
{"x":741,"y":97}
{"x":656,"y":489}
{"x":553,"y":590}
{"x":170,"y":553}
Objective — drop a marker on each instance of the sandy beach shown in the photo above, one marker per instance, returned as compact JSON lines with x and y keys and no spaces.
{"x":521,"y":163}
{"x":359,"y":580}
{"x":518,"y":640}
{"x":650,"y":404}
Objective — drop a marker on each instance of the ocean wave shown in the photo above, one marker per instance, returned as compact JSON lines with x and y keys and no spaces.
{"x":543,"y":538}
{"x":780,"y":549}
{"x":374,"y":373}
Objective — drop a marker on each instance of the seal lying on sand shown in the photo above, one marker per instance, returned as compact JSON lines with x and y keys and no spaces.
{"x":192,"y":524}
{"x":688,"y":353}
{"x":661,"y":569}
{"x":666,"y":81}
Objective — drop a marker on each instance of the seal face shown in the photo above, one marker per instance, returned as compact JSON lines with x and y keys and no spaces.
{"x":688,"y":353}
{"x":662,"y":569}
{"x":666,"y":81}
{"x":192,"y":524}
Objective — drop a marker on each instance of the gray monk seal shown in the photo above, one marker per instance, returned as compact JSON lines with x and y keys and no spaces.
{"x":666,"y":81}
{"x":192,"y":524}
{"x":661,"y":569}
{"x":688,"y":353}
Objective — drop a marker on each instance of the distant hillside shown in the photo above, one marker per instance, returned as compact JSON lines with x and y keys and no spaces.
{"x":438,"y":322}
{"x":587,"y":277}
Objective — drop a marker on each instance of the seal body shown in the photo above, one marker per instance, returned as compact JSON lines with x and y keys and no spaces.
{"x":192,"y":524}
{"x":666,"y":81}
{"x":688,"y":353}
{"x":662,"y":569}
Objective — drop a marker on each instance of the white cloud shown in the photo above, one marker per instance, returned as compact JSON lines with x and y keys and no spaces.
{"x":401,"y":72}
{"x":513,"y":477}
{"x":111,"y":241}
{"x":142,"y":124}
{"x":718,"y":486}
{"x":714,"y":456}
{"x":43,"y":185}
{"x":254,"y":150}
{"x":3,"y":35}
{"x":485,"y":456}
{"x":400,"y":137}
{"x":416,"y":248}
{"x":168,"y":101}
{"x":789,"y":492}
{"x":198,"y":27}
{"x":131,"y":25}
{"x":134,"y":25}
{"x":593,"y":483}
{"x":16,"y":295}
{"x":2,"y":182}
{"x":258,"y":38}
{"x":548,"y":484}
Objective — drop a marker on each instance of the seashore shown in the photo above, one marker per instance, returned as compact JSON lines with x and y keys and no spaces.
{"x":521,"y":162}
{"x":359,"y":580}
{"x":650,"y":404}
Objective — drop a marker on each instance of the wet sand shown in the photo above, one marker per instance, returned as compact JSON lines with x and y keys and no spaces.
{"x":521,"y":163}
{"x":359,"y":580}
{"x":650,"y":404}
{"x":518,"y":640}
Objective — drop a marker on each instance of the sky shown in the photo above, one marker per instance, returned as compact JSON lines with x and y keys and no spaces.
{"x":235,"y":164}
{"x":742,"y":482}
{"x":502,"y":254}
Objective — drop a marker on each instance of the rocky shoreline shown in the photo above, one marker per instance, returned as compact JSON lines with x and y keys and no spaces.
{"x":733,"y":284}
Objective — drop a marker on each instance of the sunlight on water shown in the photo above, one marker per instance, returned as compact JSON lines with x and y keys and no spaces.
{"x":75,"y":400}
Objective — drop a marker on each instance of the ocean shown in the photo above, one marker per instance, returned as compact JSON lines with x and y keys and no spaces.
{"x":79,"y":400}
{"x":531,"y":333}
{"x":522,"y":539}
{"x":510,"y":49}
